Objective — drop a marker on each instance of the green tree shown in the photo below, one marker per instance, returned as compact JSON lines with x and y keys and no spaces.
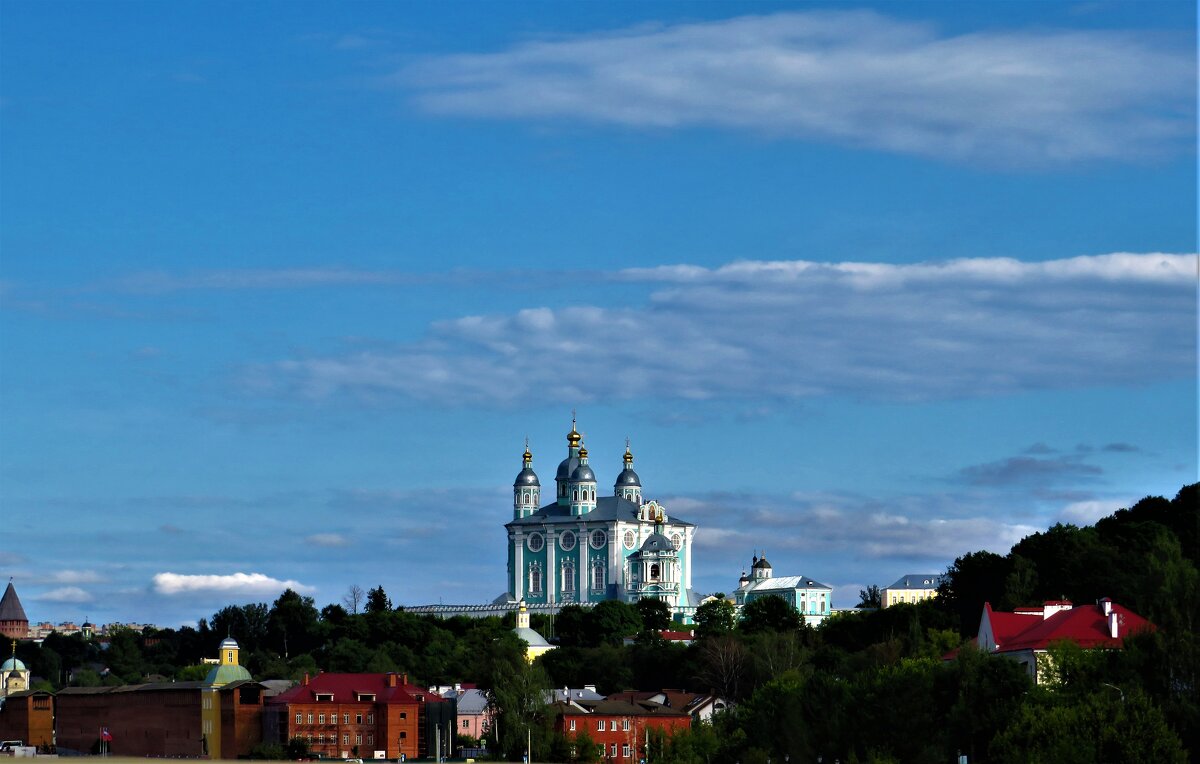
{"x":715,"y":617}
{"x":377,"y":601}
{"x":655,"y":613}
{"x":769,"y":614}
{"x":870,"y":597}
{"x":611,"y":621}
{"x":292,"y":625}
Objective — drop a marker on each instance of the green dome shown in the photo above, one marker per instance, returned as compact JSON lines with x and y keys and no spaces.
{"x":12,"y":664}
{"x":222,"y":675}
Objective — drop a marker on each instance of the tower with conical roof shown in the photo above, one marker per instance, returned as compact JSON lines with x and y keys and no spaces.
{"x":14,"y":624}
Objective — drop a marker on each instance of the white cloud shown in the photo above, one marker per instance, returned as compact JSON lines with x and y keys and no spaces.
{"x":332,"y":540}
{"x":70,"y":594}
{"x":74,"y":577}
{"x":254,"y":584}
{"x":854,"y":78}
{"x":794,"y":329}
{"x":1088,"y":512}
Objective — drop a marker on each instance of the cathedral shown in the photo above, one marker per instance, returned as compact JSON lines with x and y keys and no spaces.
{"x":583,"y":548}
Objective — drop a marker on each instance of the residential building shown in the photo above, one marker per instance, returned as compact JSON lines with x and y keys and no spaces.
{"x":699,"y":705}
{"x":812,"y":599}
{"x":14,"y":624}
{"x":911,"y":588}
{"x":618,"y":728}
{"x":474,"y":712}
{"x":1026,"y":634}
{"x":363,"y":716}
{"x":582,"y":548}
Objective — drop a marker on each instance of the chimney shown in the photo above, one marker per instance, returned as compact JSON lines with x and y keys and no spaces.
{"x":404,"y":679}
{"x":1105,"y":605}
{"x":458,"y":687}
{"x":391,"y":679}
{"x":305,"y":678}
{"x":1113,"y":628}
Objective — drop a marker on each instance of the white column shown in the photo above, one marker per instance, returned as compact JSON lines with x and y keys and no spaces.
{"x":519,"y":564}
{"x":551,"y":571}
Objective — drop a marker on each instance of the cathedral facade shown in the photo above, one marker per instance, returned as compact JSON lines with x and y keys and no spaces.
{"x":582,"y":548}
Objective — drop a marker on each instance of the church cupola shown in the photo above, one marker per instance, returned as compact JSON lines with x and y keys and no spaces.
{"x":761,"y":569}
{"x":567,"y":467}
{"x":628,"y":485}
{"x":527,"y":489}
{"x":583,"y":486}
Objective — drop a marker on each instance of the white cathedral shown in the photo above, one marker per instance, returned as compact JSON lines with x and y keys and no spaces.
{"x":581,"y":548}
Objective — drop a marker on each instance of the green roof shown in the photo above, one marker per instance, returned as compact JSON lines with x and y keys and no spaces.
{"x":222,"y":675}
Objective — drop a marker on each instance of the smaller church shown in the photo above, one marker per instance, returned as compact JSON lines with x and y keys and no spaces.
{"x":812,"y":599}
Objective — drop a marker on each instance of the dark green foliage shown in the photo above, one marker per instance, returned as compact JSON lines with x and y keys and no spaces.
{"x":715,"y":617}
{"x":655,"y":613}
{"x":769,"y":614}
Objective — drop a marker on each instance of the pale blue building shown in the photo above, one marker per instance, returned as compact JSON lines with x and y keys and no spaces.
{"x":813,"y":599}
{"x":583,"y":548}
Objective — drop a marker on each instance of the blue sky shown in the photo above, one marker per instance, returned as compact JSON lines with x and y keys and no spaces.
{"x":284,"y":287}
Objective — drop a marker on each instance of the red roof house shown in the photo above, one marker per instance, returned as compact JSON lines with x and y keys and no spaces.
{"x":1028,"y":632}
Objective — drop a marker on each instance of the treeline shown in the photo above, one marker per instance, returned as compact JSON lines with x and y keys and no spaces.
{"x":866,"y":686}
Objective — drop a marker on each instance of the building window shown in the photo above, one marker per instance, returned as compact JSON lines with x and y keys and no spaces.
{"x":572,"y":725}
{"x":535,"y":580}
{"x":630,"y":539}
{"x":567,"y":540}
{"x":466,"y":724}
{"x":370,"y":738}
{"x":370,"y":718}
{"x":298,"y":719}
{"x":598,"y":576}
{"x":345,"y":718}
{"x":403,"y":715}
{"x":321,"y":719}
{"x":321,"y":738}
{"x":654,"y":572}
{"x":310,"y":717}
{"x":598,"y":539}
{"x":625,"y":750}
{"x":600,"y":750}
{"x":625,"y":726}
{"x":599,"y":725}
{"x":358,"y":718}
{"x":345,"y":738}
{"x":677,"y":541}
{"x":568,"y":576}
{"x":535,"y":542}
{"x":614,"y":750}
{"x":403,"y":735}
{"x":358,"y":738}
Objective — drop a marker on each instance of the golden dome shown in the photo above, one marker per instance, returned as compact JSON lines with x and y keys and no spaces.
{"x":583,"y":453}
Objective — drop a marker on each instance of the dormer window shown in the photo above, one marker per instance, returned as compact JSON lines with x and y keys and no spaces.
{"x":366,"y":697}
{"x":326,"y":697}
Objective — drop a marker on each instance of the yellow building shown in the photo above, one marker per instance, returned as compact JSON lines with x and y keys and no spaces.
{"x":227,"y":671}
{"x":910,"y":589}
{"x":535,"y":644}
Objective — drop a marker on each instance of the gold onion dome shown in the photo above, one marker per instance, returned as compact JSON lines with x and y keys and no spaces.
{"x":573,"y":437}
{"x":583,"y":453}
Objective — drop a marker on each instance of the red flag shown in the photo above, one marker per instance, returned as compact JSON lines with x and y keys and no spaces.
{"x":105,"y":735}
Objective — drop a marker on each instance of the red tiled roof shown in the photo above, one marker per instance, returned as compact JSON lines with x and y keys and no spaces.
{"x":347,"y":687}
{"x":1007,"y":626}
{"x":1086,"y":626}
{"x":675,"y":636}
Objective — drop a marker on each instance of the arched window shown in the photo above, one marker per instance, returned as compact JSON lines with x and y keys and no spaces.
{"x":598,"y":576}
{"x":535,"y":580}
{"x":654,"y":572}
{"x":568,"y":577}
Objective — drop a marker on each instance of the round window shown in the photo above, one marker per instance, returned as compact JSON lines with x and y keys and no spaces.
{"x":676,"y":541}
{"x":598,"y":539}
{"x":567,"y":540}
{"x":630,"y":539}
{"x":536,"y":542}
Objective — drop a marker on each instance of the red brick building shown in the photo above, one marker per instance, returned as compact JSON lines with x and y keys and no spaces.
{"x":355,"y":715}
{"x":28,"y":716}
{"x":618,"y":728}
{"x":161,"y":719}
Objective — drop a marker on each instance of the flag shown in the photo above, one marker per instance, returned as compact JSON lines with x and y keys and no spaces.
{"x":105,"y":735}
